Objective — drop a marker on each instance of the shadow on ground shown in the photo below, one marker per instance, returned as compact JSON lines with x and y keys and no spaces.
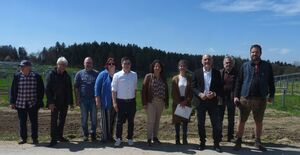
{"x":166,"y":147}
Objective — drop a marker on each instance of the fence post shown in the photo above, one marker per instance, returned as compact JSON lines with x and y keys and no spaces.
{"x":293,"y":82}
{"x":283,"y":96}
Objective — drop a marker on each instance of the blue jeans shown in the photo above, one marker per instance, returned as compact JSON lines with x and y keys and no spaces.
{"x":88,"y":106}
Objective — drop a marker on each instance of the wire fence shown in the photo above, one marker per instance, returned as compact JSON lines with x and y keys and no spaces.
{"x":288,"y":84}
{"x":8,"y":69}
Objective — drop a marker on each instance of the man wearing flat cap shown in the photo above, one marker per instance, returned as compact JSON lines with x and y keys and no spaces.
{"x":26,"y":96}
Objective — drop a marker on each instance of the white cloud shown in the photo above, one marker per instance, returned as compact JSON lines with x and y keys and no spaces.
{"x":284,"y":51}
{"x":211,"y":51}
{"x":281,"y":51}
{"x":280,"y":7}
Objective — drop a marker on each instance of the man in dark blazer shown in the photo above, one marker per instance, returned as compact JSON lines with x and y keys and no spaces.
{"x":207,"y":88}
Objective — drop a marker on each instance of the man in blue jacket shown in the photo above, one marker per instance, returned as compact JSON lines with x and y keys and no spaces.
{"x":26,"y":96}
{"x":254,"y":87}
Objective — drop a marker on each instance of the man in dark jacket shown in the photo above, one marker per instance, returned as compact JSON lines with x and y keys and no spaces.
{"x":26,"y":96}
{"x":228,"y":76}
{"x":206,"y":85}
{"x":254,"y":87}
{"x":59,"y":97}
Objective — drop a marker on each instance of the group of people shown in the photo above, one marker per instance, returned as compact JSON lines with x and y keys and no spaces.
{"x":114,"y":94}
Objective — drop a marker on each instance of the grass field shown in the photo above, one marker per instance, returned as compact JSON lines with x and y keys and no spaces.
{"x":292,"y":105}
{"x":279,"y":119}
{"x":6,"y":83}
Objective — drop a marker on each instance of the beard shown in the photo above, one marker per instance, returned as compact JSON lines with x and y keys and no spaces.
{"x":255,"y":58}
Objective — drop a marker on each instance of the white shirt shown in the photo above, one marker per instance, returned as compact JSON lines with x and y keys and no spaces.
{"x":182,"y":83}
{"x":207,"y":79}
{"x":125,"y":84}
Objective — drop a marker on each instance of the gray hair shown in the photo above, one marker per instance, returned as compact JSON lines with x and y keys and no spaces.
{"x":206,"y":55}
{"x":230,"y":58}
{"x":62,"y":59}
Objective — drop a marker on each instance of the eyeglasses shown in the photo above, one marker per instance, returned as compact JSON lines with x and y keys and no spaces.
{"x":127,"y":63}
{"x":111,"y":64}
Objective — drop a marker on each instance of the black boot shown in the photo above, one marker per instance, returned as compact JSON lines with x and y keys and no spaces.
{"x":149,"y":142}
{"x":177,"y":136}
{"x":184,"y":135}
{"x":238,"y":144}
{"x":259,"y":145}
{"x":184,"y":140}
{"x":156,"y":140}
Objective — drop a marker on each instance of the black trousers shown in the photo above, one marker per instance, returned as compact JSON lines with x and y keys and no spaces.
{"x":33,"y":117}
{"x":184,"y":130}
{"x":58,"y":118}
{"x":126,"y":111}
{"x":213,"y":112}
{"x":228,"y":102}
{"x":184,"y":125}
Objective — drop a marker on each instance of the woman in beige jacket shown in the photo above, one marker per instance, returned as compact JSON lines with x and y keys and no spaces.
{"x":154,"y":98}
{"x":181,"y":94}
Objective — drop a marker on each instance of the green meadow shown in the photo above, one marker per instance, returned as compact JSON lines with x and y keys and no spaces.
{"x":292,"y":102}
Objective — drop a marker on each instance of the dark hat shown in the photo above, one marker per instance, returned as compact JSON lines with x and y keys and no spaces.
{"x":25,"y":63}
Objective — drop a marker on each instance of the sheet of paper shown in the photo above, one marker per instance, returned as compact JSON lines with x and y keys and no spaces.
{"x":184,"y":112}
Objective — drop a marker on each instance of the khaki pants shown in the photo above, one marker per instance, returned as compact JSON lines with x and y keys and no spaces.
{"x":154,"y":111}
{"x":255,"y":104}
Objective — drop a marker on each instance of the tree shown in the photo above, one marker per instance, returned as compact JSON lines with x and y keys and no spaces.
{"x":22,"y":53}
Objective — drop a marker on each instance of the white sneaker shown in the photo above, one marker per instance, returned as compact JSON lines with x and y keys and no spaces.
{"x":118,"y":142}
{"x":130,"y":142}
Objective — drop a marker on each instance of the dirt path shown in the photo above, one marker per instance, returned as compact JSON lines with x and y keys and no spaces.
{"x":279,"y":128}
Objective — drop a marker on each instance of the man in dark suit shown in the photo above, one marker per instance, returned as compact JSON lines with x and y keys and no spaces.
{"x":207,"y":88}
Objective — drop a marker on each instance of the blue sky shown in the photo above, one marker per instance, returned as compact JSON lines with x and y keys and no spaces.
{"x":183,"y":26}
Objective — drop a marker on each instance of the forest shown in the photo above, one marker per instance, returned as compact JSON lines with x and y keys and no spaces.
{"x":140,"y":57}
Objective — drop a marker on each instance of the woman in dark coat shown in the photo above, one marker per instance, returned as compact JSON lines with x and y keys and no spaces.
{"x":181,"y":94}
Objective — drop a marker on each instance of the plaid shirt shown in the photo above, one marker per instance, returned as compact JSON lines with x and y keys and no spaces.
{"x":27,"y":88}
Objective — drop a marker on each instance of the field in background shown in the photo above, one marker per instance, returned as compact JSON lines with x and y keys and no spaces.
{"x":279,"y":124}
{"x":292,"y":102}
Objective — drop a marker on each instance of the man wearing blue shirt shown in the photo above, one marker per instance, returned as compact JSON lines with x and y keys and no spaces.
{"x":84,"y":93}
